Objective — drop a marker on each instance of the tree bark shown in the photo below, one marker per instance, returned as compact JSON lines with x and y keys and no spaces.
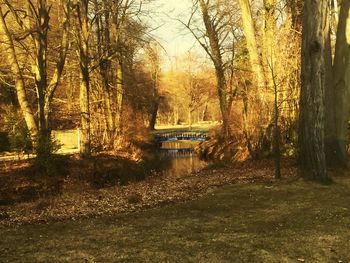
{"x":120,"y":96}
{"x":40,"y":75}
{"x":312,"y":162}
{"x":268,"y":40}
{"x":83,"y":46}
{"x":252,"y":47}
{"x":338,"y":94}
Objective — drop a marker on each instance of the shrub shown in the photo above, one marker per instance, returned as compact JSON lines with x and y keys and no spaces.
{"x":17,"y":132}
{"x":4,"y":142}
{"x":48,"y":163}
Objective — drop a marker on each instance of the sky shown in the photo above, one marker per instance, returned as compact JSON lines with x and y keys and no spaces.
{"x":175,"y":39}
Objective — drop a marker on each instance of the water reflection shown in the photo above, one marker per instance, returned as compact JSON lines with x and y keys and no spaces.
{"x":182,"y":160}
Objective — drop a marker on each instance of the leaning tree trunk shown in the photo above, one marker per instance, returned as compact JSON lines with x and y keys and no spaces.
{"x":7,"y":42}
{"x":312,"y":162}
{"x":338,"y":94}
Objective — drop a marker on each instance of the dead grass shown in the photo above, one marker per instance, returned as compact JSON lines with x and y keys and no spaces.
{"x":276,"y":222}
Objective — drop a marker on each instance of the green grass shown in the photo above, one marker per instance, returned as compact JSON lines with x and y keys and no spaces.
{"x":240,"y":223}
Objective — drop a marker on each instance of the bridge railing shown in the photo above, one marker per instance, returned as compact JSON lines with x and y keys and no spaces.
{"x":181,"y":135}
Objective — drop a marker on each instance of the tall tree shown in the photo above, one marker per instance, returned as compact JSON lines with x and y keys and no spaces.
{"x":338,"y":94}
{"x":252,"y":46}
{"x":312,"y":162}
{"x":31,"y":32}
{"x":218,"y":42}
{"x":8,"y":44}
{"x":83,"y":34}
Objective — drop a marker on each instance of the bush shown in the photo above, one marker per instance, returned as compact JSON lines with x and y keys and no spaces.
{"x":17,"y":132}
{"x":53,"y":165}
{"x":48,"y":163}
{"x":4,"y":142}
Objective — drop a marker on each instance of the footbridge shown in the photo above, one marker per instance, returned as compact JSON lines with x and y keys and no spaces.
{"x":175,"y":135}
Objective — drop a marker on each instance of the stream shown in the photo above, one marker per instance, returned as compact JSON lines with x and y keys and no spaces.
{"x":180,"y":158}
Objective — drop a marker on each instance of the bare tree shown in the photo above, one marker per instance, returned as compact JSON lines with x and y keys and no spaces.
{"x":8,"y":44}
{"x":32,"y":37}
{"x":252,"y":46}
{"x":218,"y":42}
{"x":312,"y":161}
{"x":83,"y":32}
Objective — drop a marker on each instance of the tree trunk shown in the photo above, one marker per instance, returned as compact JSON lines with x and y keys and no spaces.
{"x":268,"y":39}
{"x":56,"y":77}
{"x":276,"y":129}
{"x":338,"y":94}
{"x":40,"y":74}
{"x":154,"y":114}
{"x":7,"y":42}
{"x":249,"y":32}
{"x":83,"y":45}
{"x":312,"y":163}
{"x":120,"y":96}
{"x":225,"y":93}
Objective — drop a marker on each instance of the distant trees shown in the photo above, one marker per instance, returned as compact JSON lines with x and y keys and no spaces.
{"x":217,"y":39}
{"x":189,"y":91}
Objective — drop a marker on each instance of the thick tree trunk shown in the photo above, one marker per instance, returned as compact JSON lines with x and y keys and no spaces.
{"x":7,"y":42}
{"x":252,"y":47}
{"x":338,"y":94}
{"x":312,"y":163}
{"x":268,"y":40}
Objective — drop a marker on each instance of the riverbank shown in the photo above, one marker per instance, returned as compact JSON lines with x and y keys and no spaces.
{"x":78,"y":198}
{"x":256,"y":222}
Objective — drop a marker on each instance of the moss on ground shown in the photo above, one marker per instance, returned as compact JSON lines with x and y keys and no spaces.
{"x":284,"y":222}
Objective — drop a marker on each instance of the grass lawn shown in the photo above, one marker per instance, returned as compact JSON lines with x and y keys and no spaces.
{"x":284,"y":222}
